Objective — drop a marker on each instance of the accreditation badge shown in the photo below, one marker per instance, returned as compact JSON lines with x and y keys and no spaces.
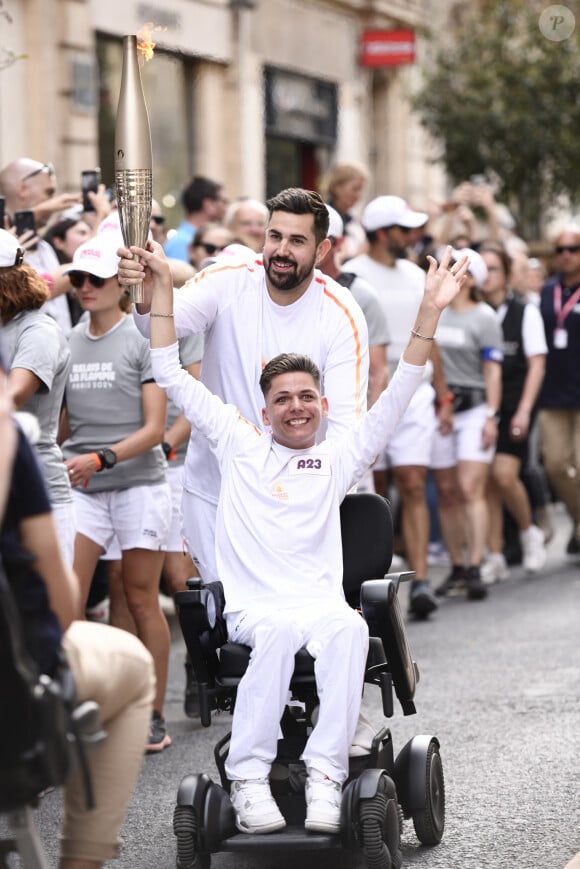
{"x":560,"y":339}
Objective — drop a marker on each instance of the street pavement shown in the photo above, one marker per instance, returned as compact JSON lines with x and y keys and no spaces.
{"x":499,"y":687}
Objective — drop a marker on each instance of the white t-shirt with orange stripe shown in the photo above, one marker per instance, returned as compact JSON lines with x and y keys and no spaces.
{"x":244,"y":329}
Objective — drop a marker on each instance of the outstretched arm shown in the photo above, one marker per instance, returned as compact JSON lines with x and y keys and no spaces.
{"x":441,"y":286}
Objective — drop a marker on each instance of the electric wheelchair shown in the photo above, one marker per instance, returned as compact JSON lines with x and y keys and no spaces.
{"x":382,"y":790}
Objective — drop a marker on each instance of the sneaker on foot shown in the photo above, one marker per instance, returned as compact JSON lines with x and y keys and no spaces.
{"x":158,"y":736}
{"x":255,"y":807}
{"x":323,"y":798}
{"x":422,"y":601}
{"x":100,"y":612}
{"x":494,"y":568}
{"x":454,"y":583}
{"x":476,"y":589}
{"x":533,"y":549}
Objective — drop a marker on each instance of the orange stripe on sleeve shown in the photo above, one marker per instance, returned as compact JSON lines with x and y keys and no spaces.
{"x":357,"y":345}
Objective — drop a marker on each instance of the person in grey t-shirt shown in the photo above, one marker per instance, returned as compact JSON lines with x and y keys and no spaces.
{"x":470,"y":340}
{"x":116,"y":419}
{"x":39,"y":359}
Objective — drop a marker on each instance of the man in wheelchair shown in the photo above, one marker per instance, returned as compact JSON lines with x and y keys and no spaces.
{"x":278,"y":546}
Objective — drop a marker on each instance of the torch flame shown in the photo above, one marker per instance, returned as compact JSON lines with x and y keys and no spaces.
{"x":145,"y":44}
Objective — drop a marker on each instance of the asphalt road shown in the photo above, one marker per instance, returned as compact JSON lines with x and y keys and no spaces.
{"x":500,"y":688}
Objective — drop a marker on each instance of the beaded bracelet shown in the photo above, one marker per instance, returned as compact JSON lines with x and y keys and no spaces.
{"x":160,"y":315}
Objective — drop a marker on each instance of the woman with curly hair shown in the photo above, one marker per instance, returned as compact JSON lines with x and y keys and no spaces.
{"x":39,"y":360}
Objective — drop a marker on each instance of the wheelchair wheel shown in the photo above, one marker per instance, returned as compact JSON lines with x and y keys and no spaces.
{"x":429,"y":823}
{"x":185,"y":829}
{"x":380,"y":828}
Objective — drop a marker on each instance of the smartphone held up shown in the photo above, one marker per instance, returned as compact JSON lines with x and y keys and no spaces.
{"x":24,"y":222}
{"x":90,"y":180}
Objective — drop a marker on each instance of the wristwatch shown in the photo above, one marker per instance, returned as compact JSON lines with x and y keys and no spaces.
{"x":490,"y":413}
{"x":108,"y":458}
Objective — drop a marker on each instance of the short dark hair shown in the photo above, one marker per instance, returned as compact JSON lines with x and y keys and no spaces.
{"x":296,"y":200}
{"x":286,"y":363}
{"x":198,"y":189}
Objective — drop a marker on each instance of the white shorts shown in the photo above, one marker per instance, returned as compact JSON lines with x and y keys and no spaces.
{"x":138,"y":517}
{"x":64,"y":515}
{"x":175,"y":539}
{"x":463,"y":443}
{"x":412,"y":439}
{"x":199,"y":518}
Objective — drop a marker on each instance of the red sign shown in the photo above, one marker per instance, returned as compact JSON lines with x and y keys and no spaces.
{"x":387,"y":47}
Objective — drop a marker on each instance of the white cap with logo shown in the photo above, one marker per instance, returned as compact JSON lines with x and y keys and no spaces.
{"x":97,"y":256}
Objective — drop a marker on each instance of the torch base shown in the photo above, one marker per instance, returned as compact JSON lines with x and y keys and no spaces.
{"x":138,"y":294}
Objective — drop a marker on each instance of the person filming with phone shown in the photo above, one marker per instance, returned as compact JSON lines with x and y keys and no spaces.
{"x":29,"y":188}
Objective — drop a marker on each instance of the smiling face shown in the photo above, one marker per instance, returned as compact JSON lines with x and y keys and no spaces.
{"x":294,"y":409}
{"x":290,"y":254}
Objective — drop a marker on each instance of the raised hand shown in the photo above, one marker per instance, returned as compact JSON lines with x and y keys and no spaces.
{"x":443,"y":283}
{"x":148,"y":265}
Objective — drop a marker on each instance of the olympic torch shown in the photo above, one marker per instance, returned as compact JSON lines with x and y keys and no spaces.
{"x":133,"y":160}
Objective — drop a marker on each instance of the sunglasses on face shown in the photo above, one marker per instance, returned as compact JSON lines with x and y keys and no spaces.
{"x":78,"y":279}
{"x":159,"y":219}
{"x":46,"y":167}
{"x":210,"y":249}
{"x":571,"y":248}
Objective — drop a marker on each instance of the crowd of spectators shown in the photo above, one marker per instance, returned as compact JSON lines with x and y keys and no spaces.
{"x":495,"y":425}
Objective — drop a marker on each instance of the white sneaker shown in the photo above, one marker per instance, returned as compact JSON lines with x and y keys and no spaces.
{"x":323,"y":798}
{"x":101,"y":612}
{"x":255,"y":807}
{"x":494,"y":568}
{"x":533,"y":548}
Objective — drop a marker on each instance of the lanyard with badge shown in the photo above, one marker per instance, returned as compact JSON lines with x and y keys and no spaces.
{"x":560,"y":332}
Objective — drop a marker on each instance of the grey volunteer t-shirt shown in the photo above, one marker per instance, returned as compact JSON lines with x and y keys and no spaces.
{"x":104,"y":402}
{"x":461,"y":337}
{"x":36,"y":343}
{"x":190,"y":351}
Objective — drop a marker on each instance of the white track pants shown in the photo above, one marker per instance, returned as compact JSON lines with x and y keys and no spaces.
{"x":337,"y":638}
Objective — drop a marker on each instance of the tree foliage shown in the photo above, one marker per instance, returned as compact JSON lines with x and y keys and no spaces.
{"x":504,"y":101}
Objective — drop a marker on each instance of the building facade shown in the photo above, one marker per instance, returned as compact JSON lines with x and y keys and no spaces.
{"x":259,"y":94}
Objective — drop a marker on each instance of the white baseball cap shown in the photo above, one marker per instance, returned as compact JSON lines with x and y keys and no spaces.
{"x":477,"y":267}
{"x":97,"y":256}
{"x":11,"y":253}
{"x":385,"y":211}
{"x":335,"y":223}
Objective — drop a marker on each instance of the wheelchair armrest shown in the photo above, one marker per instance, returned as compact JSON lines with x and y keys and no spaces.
{"x":382,"y":612}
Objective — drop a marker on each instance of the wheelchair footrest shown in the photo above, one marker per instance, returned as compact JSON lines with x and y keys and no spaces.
{"x":291,"y":837}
